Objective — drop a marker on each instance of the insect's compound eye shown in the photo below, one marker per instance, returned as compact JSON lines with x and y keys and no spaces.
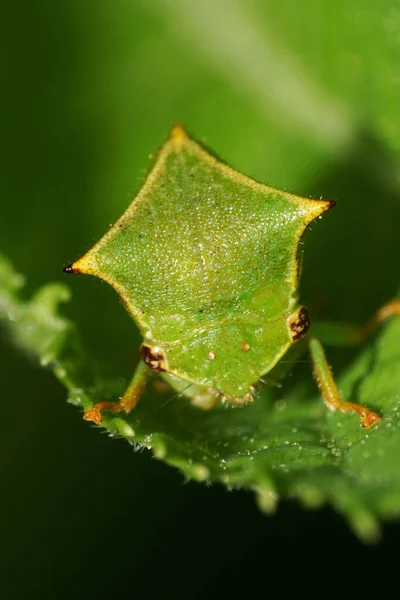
{"x":153,"y":357}
{"x":298,"y":323}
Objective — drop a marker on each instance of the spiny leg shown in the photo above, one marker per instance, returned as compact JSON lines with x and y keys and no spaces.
{"x":329,"y":391}
{"x":339,"y":334}
{"x":128,"y":400}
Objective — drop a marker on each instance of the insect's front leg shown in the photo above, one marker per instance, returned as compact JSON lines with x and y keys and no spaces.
{"x":128,"y":400}
{"x":345,"y":335}
{"x":329,"y":391}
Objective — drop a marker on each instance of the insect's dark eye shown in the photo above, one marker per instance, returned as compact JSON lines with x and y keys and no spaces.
{"x":153,"y":357}
{"x":298,"y":323}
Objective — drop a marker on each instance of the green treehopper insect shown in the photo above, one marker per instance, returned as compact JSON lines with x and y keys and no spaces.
{"x":206,"y":261}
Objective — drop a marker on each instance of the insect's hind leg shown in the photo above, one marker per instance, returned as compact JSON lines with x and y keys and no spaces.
{"x":339,"y":334}
{"x":128,"y":400}
{"x":391,"y":309}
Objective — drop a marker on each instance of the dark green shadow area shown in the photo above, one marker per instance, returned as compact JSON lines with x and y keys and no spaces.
{"x":351,"y":256}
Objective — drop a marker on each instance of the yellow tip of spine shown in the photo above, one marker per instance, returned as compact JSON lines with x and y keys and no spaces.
{"x":178,"y":134}
{"x":84,"y":265}
{"x":312,"y":209}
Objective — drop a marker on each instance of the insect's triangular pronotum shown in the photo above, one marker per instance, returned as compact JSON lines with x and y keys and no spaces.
{"x":200,"y":235}
{"x":206,"y":261}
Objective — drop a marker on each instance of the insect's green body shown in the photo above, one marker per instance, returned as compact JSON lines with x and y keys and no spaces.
{"x":206,"y":261}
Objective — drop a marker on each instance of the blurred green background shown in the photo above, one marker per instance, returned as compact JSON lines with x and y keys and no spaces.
{"x":300,"y":95}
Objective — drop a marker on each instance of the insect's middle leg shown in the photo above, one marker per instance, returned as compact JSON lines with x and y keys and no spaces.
{"x":128,"y":400}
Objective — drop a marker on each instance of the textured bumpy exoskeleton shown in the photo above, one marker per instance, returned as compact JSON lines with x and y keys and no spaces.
{"x":206,"y":261}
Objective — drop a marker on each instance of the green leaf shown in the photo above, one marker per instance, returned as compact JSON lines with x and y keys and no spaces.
{"x":286,"y":444}
{"x":37,"y":328}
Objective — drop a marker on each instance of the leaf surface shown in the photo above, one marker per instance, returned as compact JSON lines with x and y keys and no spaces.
{"x":285,"y":444}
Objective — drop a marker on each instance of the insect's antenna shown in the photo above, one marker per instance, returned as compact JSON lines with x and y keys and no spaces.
{"x":294,"y":362}
{"x":176,"y":395}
